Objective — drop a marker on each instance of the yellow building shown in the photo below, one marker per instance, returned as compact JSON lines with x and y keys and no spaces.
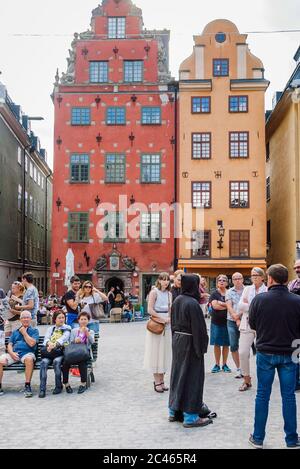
{"x":222,"y":153}
{"x":283,"y":174}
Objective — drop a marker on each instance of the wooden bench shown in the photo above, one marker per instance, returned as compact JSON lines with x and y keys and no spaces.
{"x":37,"y":365}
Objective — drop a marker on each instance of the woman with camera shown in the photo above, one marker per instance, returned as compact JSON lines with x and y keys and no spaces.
{"x":90,"y":300}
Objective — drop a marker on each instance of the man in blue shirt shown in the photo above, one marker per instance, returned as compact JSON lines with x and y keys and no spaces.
{"x":21,"y":348}
{"x":30,"y":298}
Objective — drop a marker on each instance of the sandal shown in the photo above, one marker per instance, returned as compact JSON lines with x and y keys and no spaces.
{"x":160,"y":391}
{"x":245,"y":387}
{"x":164,"y":387}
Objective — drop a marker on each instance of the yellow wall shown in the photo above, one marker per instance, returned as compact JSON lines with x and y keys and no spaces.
{"x":220,"y":122}
{"x":283,"y":168}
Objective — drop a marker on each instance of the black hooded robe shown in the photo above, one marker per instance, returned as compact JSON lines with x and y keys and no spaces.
{"x":188,"y":372}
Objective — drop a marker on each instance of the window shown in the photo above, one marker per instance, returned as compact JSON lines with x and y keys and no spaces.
{"x":26,"y":203}
{"x":20,"y":198}
{"x":78,"y":227}
{"x":19,"y":156}
{"x":133,"y":71}
{"x":80,"y":168}
{"x":81,"y":116}
{"x":238,"y":103}
{"x":151,"y":227}
{"x":268,"y":189}
{"x":39,"y":178}
{"x":114,"y":227}
{"x":201,"y":244}
{"x":201,"y":194}
{"x":26,"y":164}
{"x":31,"y":169}
{"x":98,"y":72}
{"x":268,"y":151}
{"x":31,"y":206}
{"x":115,"y":168}
{"x":116,"y":116}
{"x":151,"y":116}
{"x":201,"y":146}
{"x":42,"y":182}
{"x":220,"y":67}
{"x":239,"y":144}
{"x":239,"y":194}
{"x":116,"y":28}
{"x":201,"y":105}
{"x":151,"y":169}
{"x":239,"y":243}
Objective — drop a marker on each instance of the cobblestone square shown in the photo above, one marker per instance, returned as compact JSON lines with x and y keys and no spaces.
{"x":122,"y":411}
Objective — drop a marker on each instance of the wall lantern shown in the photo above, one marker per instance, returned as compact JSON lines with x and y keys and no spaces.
{"x":131,"y":138}
{"x":59,"y":142}
{"x":59,"y":100}
{"x":58,"y":204}
{"x":85,"y":52}
{"x":134,"y":98}
{"x":97,"y":201}
{"x":115,"y":51}
{"x":99,"y":139}
{"x":147,"y":49}
{"x":98,"y":101}
{"x":57,"y":264}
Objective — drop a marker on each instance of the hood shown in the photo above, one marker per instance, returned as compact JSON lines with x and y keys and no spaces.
{"x":190,"y":286}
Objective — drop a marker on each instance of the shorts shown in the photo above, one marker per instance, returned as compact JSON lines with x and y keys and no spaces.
{"x":234,"y":336}
{"x":219,"y":336}
{"x":10,"y":361}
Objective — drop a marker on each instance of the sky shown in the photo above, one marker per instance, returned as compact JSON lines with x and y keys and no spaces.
{"x":35,"y":37}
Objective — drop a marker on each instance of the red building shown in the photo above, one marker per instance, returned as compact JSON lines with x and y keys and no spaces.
{"x":114,"y":136}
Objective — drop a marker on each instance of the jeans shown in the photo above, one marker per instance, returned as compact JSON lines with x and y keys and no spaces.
{"x":94,"y":326}
{"x":46,"y":362}
{"x":234,"y":336}
{"x":286,"y":369}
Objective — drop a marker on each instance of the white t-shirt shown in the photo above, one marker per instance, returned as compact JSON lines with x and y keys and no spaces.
{"x":90,"y":300}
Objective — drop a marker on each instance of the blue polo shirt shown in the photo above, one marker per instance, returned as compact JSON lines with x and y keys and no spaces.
{"x":20,"y":346}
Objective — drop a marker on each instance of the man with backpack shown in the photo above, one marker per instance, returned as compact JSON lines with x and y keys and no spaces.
{"x":69,"y":301}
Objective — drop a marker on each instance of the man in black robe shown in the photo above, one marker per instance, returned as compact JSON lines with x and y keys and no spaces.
{"x":189,"y":344}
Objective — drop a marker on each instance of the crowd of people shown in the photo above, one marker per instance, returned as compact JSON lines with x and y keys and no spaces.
{"x":75,"y":319}
{"x":264,"y":316}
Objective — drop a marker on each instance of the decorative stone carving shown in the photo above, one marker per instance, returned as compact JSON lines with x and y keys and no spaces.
{"x":98,"y":11}
{"x":86,"y":35}
{"x":101,"y":263}
{"x":129,"y":263}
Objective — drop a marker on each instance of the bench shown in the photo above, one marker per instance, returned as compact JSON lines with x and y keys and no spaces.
{"x":37,"y":365}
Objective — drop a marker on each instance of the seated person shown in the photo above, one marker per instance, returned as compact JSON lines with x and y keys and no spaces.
{"x":22,"y":348}
{"x":55,"y":339}
{"x":80,"y":335}
{"x":127,"y":311}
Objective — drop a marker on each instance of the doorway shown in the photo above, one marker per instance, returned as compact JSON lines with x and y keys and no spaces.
{"x":114,"y":282}
{"x":148,"y":282}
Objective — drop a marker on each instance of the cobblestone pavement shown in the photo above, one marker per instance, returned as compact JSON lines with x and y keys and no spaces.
{"x":122,"y":411}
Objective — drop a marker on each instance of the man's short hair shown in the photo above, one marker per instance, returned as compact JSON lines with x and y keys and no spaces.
{"x":28,"y":276}
{"x":25,"y":313}
{"x":75,"y":279}
{"x":279,"y":273}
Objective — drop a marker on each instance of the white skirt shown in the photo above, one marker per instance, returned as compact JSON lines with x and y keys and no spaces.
{"x":158,"y":349}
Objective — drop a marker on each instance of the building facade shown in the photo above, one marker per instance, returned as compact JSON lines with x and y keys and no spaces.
{"x":283,"y":174}
{"x":25,"y":199}
{"x":114,"y":136}
{"x":222,"y":154}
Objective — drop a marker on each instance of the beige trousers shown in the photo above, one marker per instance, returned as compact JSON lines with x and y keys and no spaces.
{"x":246,"y":341}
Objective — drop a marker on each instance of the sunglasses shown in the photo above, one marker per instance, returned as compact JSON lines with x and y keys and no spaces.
{"x":222,"y":280}
{"x":88,"y":286}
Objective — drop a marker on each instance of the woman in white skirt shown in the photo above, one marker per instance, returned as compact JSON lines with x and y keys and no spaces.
{"x":158,"y":347}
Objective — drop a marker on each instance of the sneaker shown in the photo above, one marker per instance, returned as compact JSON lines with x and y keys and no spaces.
{"x":1,"y":391}
{"x":216,"y":369}
{"x":255,"y":443}
{"x":239,"y":374}
{"x":82,"y":389}
{"x":295,"y":446}
{"x":27,"y":391}
{"x":226,"y":369}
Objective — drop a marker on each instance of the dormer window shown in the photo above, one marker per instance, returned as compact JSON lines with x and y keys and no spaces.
{"x":116,"y":28}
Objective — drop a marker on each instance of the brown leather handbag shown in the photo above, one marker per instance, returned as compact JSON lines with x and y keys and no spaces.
{"x":155,"y":326}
